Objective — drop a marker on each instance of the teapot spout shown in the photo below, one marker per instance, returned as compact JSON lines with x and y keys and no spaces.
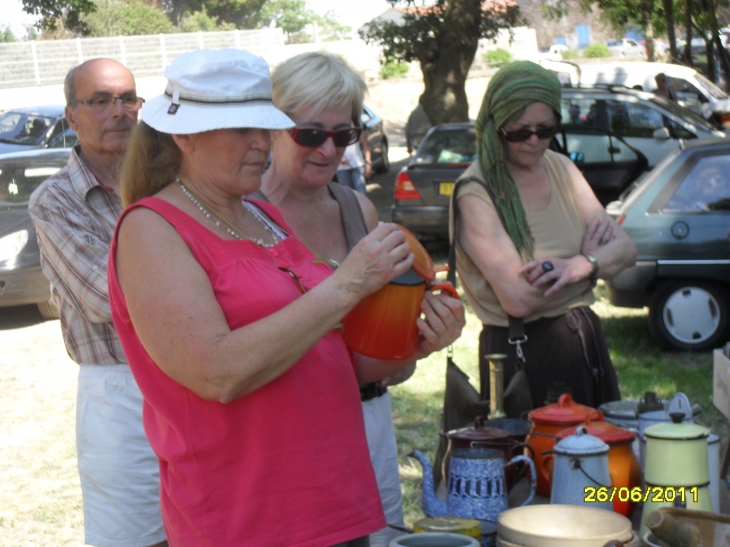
{"x":432,"y":506}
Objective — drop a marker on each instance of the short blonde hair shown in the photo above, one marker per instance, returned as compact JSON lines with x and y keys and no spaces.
{"x":316,"y":81}
{"x":151,"y":162}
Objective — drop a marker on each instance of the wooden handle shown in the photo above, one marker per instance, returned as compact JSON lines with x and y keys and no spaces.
{"x":673,"y":532}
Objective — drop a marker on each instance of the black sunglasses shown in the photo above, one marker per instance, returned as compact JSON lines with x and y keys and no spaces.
{"x":521,"y":135}
{"x":312,"y":138}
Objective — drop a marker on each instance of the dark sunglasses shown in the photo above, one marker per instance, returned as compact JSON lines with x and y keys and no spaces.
{"x":312,"y":138}
{"x":521,"y":135}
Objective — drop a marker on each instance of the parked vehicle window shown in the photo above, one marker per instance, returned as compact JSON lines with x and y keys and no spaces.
{"x":630,"y":119}
{"x":22,"y":128}
{"x":679,"y":131}
{"x":705,"y":188}
{"x":17,"y":183}
{"x":449,"y":147}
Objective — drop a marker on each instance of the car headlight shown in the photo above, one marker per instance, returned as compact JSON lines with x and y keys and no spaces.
{"x":12,"y":244}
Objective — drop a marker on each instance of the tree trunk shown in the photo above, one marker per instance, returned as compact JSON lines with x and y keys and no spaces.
{"x":724,"y":62}
{"x":446,"y":63}
{"x":649,"y":39}
{"x":688,"y":33}
{"x":668,"y":6}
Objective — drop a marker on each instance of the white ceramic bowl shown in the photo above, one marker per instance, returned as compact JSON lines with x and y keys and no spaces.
{"x":562,"y":526}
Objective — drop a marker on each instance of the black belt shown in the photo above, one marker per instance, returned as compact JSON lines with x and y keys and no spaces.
{"x":371,"y":391}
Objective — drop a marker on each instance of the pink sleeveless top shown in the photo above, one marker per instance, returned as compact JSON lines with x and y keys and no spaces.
{"x":287,"y":465}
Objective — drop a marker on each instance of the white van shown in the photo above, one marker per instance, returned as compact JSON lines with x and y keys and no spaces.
{"x":694,"y":91}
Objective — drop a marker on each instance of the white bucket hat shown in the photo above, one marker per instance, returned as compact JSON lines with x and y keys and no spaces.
{"x":215,"y":89}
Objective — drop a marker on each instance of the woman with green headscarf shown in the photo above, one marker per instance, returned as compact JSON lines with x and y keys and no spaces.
{"x":531,"y":241}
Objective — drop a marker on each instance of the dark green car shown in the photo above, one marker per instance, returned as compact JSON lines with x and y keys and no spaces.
{"x":679,"y":217}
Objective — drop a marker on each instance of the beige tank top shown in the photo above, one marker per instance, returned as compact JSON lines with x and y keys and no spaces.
{"x":558,"y":231}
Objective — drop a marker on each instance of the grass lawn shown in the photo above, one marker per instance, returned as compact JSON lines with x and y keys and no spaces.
{"x":640,"y":364}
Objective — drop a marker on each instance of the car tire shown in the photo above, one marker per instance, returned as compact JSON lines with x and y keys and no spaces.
{"x":384,"y":164}
{"x":689,"y":315}
{"x":49,"y":310}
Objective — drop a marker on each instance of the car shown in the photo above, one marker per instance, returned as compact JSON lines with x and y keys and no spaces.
{"x":679,"y":218}
{"x":653,"y":125}
{"x":35,"y":127}
{"x":423,"y":187}
{"x":377,"y":140}
{"x":625,"y":47}
{"x":21,"y":279}
{"x":694,"y":91}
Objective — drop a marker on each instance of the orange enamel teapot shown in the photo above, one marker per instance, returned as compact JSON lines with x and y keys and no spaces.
{"x":383,"y":324}
{"x":545,"y":422}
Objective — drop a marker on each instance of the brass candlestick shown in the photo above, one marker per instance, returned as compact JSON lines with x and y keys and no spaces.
{"x":496,"y":385}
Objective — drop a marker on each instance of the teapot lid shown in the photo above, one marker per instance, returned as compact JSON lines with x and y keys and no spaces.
{"x":606,"y":431}
{"x":581,"y":443}
{"x":683,"y":431}
{"x":423,"y":264}
{"x":565,"y":411}
{"x":478,"y":432}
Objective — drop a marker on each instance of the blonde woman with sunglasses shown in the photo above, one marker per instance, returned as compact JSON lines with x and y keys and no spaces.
{"x":531,"y":242}
{"x":323,"y":96}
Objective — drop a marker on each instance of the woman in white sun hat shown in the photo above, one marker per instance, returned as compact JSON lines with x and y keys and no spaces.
{"x":230,"y":324}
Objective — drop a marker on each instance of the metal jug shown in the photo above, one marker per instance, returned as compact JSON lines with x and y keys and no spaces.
{"x":676,"y":472}
{"x":580,"y":471}
{"x":476,"y":486}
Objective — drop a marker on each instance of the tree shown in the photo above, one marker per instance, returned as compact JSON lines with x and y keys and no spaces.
{"x":56,"y":14}
{"x":200,"y":21}
{"x":243,"y":14}
{"x":6,"y":35}
{"x":330,"y":29}
{"x":126,"y":18}
{"x":443,"y":38}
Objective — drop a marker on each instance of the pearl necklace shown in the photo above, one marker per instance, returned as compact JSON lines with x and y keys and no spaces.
{"x":232,"y":230}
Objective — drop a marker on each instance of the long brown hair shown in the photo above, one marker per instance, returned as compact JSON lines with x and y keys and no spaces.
{"x":151,"y":162}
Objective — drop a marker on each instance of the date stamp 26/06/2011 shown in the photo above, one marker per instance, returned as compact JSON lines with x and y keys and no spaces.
{"x":637,"y":494}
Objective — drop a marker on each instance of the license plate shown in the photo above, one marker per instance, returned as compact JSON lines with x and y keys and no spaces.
{"x":446,"y":188}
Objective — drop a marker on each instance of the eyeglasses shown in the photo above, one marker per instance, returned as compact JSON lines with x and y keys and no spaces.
{"x":102,"y":104}
{"x":312,"y":138}
{"x":522,"y":135}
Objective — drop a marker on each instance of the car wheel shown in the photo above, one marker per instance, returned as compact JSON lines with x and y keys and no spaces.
{"x":689,"y":315}
{"x":49,"y":310}
{"x":384,"y":165}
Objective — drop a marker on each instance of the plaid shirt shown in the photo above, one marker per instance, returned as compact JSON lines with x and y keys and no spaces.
{"x":75,"y":218}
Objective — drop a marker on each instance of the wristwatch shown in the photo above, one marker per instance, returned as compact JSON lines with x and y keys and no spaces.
{"x":594,"y":264}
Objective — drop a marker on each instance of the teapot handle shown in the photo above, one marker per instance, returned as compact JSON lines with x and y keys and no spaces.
{"x":533,"y":475}
{"x":680,"y":403}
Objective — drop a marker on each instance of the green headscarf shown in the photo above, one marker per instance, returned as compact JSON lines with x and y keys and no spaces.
{"x":511,"y":90}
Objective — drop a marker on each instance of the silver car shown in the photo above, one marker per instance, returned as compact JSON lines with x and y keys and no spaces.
{"x":651,"y":124}
{"x":21,"y":280}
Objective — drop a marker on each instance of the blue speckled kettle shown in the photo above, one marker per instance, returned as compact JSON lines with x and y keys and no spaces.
{"x":475,"y":485}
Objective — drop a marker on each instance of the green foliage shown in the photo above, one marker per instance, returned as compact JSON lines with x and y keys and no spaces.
{"x":6,"y":35}
{"x":569,"y":54}
{"x":394,"y":69}
{"x":243,"y":14}
{"x":130,"y":18}
{"x":56,"y":14}
{"x":291,"y":16}
{"x":498,"y":57}
{"x":200,"y":21}
{"x":330,"y":29}
{"x":596,"y":50}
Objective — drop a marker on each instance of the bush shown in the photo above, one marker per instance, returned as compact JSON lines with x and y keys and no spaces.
{"x":570,"y":54}
{"x":596,"y":50}
{"x":394,"y":69}
{"x":498,"y":57}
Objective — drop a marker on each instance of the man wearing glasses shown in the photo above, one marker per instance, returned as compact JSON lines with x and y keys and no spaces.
{"x":75,"y":212}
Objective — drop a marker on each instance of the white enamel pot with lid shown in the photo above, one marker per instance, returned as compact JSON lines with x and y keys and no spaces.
{"x":580,"y":464}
